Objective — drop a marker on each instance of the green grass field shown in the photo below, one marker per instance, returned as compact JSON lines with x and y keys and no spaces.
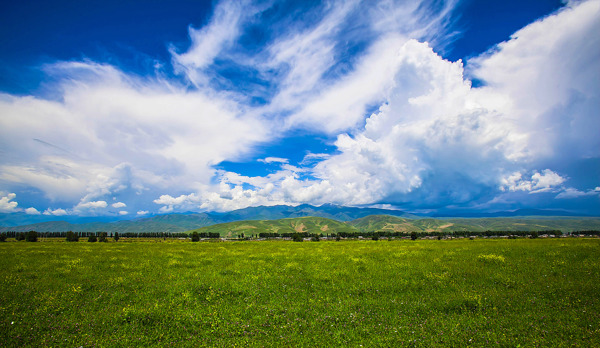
{"x":457,"y":293}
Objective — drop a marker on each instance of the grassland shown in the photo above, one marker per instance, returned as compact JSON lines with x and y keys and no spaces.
{"x":449,"y":293}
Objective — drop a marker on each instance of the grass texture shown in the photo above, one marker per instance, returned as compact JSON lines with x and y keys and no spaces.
{"x":425,"y":293}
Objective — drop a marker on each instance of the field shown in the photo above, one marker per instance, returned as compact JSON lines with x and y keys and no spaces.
{"x":425,"y":293}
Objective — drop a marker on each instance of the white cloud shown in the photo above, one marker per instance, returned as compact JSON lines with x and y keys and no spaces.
{"x":7,"y":205}
{"x":32,"y":211}
{"x":56,"y":212}
{"x":571,"y":193}
{"x":114,"y":133}
{"x":212,"y":40}
{"x":306,"y":56}
{"x":547,"y":72}
{"x":269,"y":160}
{"x":182,"y":202}
{"x":143,"y":212}
{"x":434,"y":139}
{"x":123,"y":212}
{"x":437,"y":140}
{"x":91,"y":205}
{"x":544,"y":182}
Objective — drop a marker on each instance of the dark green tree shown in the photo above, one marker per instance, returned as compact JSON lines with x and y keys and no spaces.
{"x":116,"y":237}
{"x":413,"y":235}
{"x":72,"y":237}
{"x":92,"y":238}
{"x":3,"y":237}
{"x":32,"y":236}
{"x":103,"y":237}
{"x":296,"y":237}
{"x":195,"y":236}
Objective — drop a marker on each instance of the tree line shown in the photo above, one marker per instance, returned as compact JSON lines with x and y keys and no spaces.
{"x":70,"y":236}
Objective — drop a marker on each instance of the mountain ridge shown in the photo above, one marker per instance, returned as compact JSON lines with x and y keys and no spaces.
{"x":180,"y":222}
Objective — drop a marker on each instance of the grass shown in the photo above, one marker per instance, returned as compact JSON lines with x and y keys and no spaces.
{"x":506,"y":293}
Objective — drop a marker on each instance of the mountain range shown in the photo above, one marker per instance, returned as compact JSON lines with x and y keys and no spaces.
{"x":314,"y":219}
{"x":187,"y":221}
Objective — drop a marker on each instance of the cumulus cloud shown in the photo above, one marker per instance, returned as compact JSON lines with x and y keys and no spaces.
{"x":7,"y":205}
{"x":548,"y":75}
{"x":92,"y":205}
{"x":432,"y":138}
{"x":118,"y":133}
{"x":123,"y":212}
{"x":32,"y":211}
{"x":438,"y":140}
{"x":182,"y":202}
{"x":269,"y":160}
{"x":543,"y":182}
{"x":56,"y":212}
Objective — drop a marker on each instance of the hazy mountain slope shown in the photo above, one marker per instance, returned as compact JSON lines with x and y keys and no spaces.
{"x":188,"y":221}
{"x":329,"y":211}
{"x":288,"y":225}
{"x":387,"y":223}
{"x":564,"y":224}
{"x":395,"y":224}
{"x":360,"y":219}
{"x":159,"y":223}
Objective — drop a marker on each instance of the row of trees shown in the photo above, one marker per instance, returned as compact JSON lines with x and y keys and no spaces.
{"x":389,"y":234}
{"x":70,"y":236}
{"x":75,"y":236}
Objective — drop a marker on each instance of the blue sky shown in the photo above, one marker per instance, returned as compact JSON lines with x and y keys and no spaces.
{"x":112,"y":109}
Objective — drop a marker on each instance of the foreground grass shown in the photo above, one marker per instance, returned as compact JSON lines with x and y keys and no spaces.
{"x":350,"y":293}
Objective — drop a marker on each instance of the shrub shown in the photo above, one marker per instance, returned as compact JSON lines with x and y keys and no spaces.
{"x":375,"y":237}
{"x":315,"y":239}
{"x":20,"y":236}
{"x":296,"y":237}
{"x":72,"y":237}
{"x":32,"y":236}
{"x":103,"y":237}
{"x":3,"y":237}
{"x":92,"y":238}
{"x":413,"y":235}
{"x":533,"y":235}
{"x":116,"y":237}
{"x":338,"y":238}
{"x":195,"y":236}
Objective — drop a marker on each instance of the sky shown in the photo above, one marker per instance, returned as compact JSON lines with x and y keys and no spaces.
{"x":130,"y":109}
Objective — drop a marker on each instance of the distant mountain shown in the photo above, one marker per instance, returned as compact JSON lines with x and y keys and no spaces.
{"x":159,"y":223}
{"x":361,"y":219}
{"x":288,"y":225}
{"x":188,"y":221}
{"x":329,"y":211}
{"x":510,"y":213}
{"x":387,"y":223}
{"x":395,"y":224}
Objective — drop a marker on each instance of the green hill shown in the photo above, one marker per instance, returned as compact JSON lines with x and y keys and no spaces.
{"x":388,"y":223}
{"x":290,"y":225}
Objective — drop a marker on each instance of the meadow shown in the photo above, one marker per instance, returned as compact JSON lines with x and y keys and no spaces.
{"x":424,"y":293}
